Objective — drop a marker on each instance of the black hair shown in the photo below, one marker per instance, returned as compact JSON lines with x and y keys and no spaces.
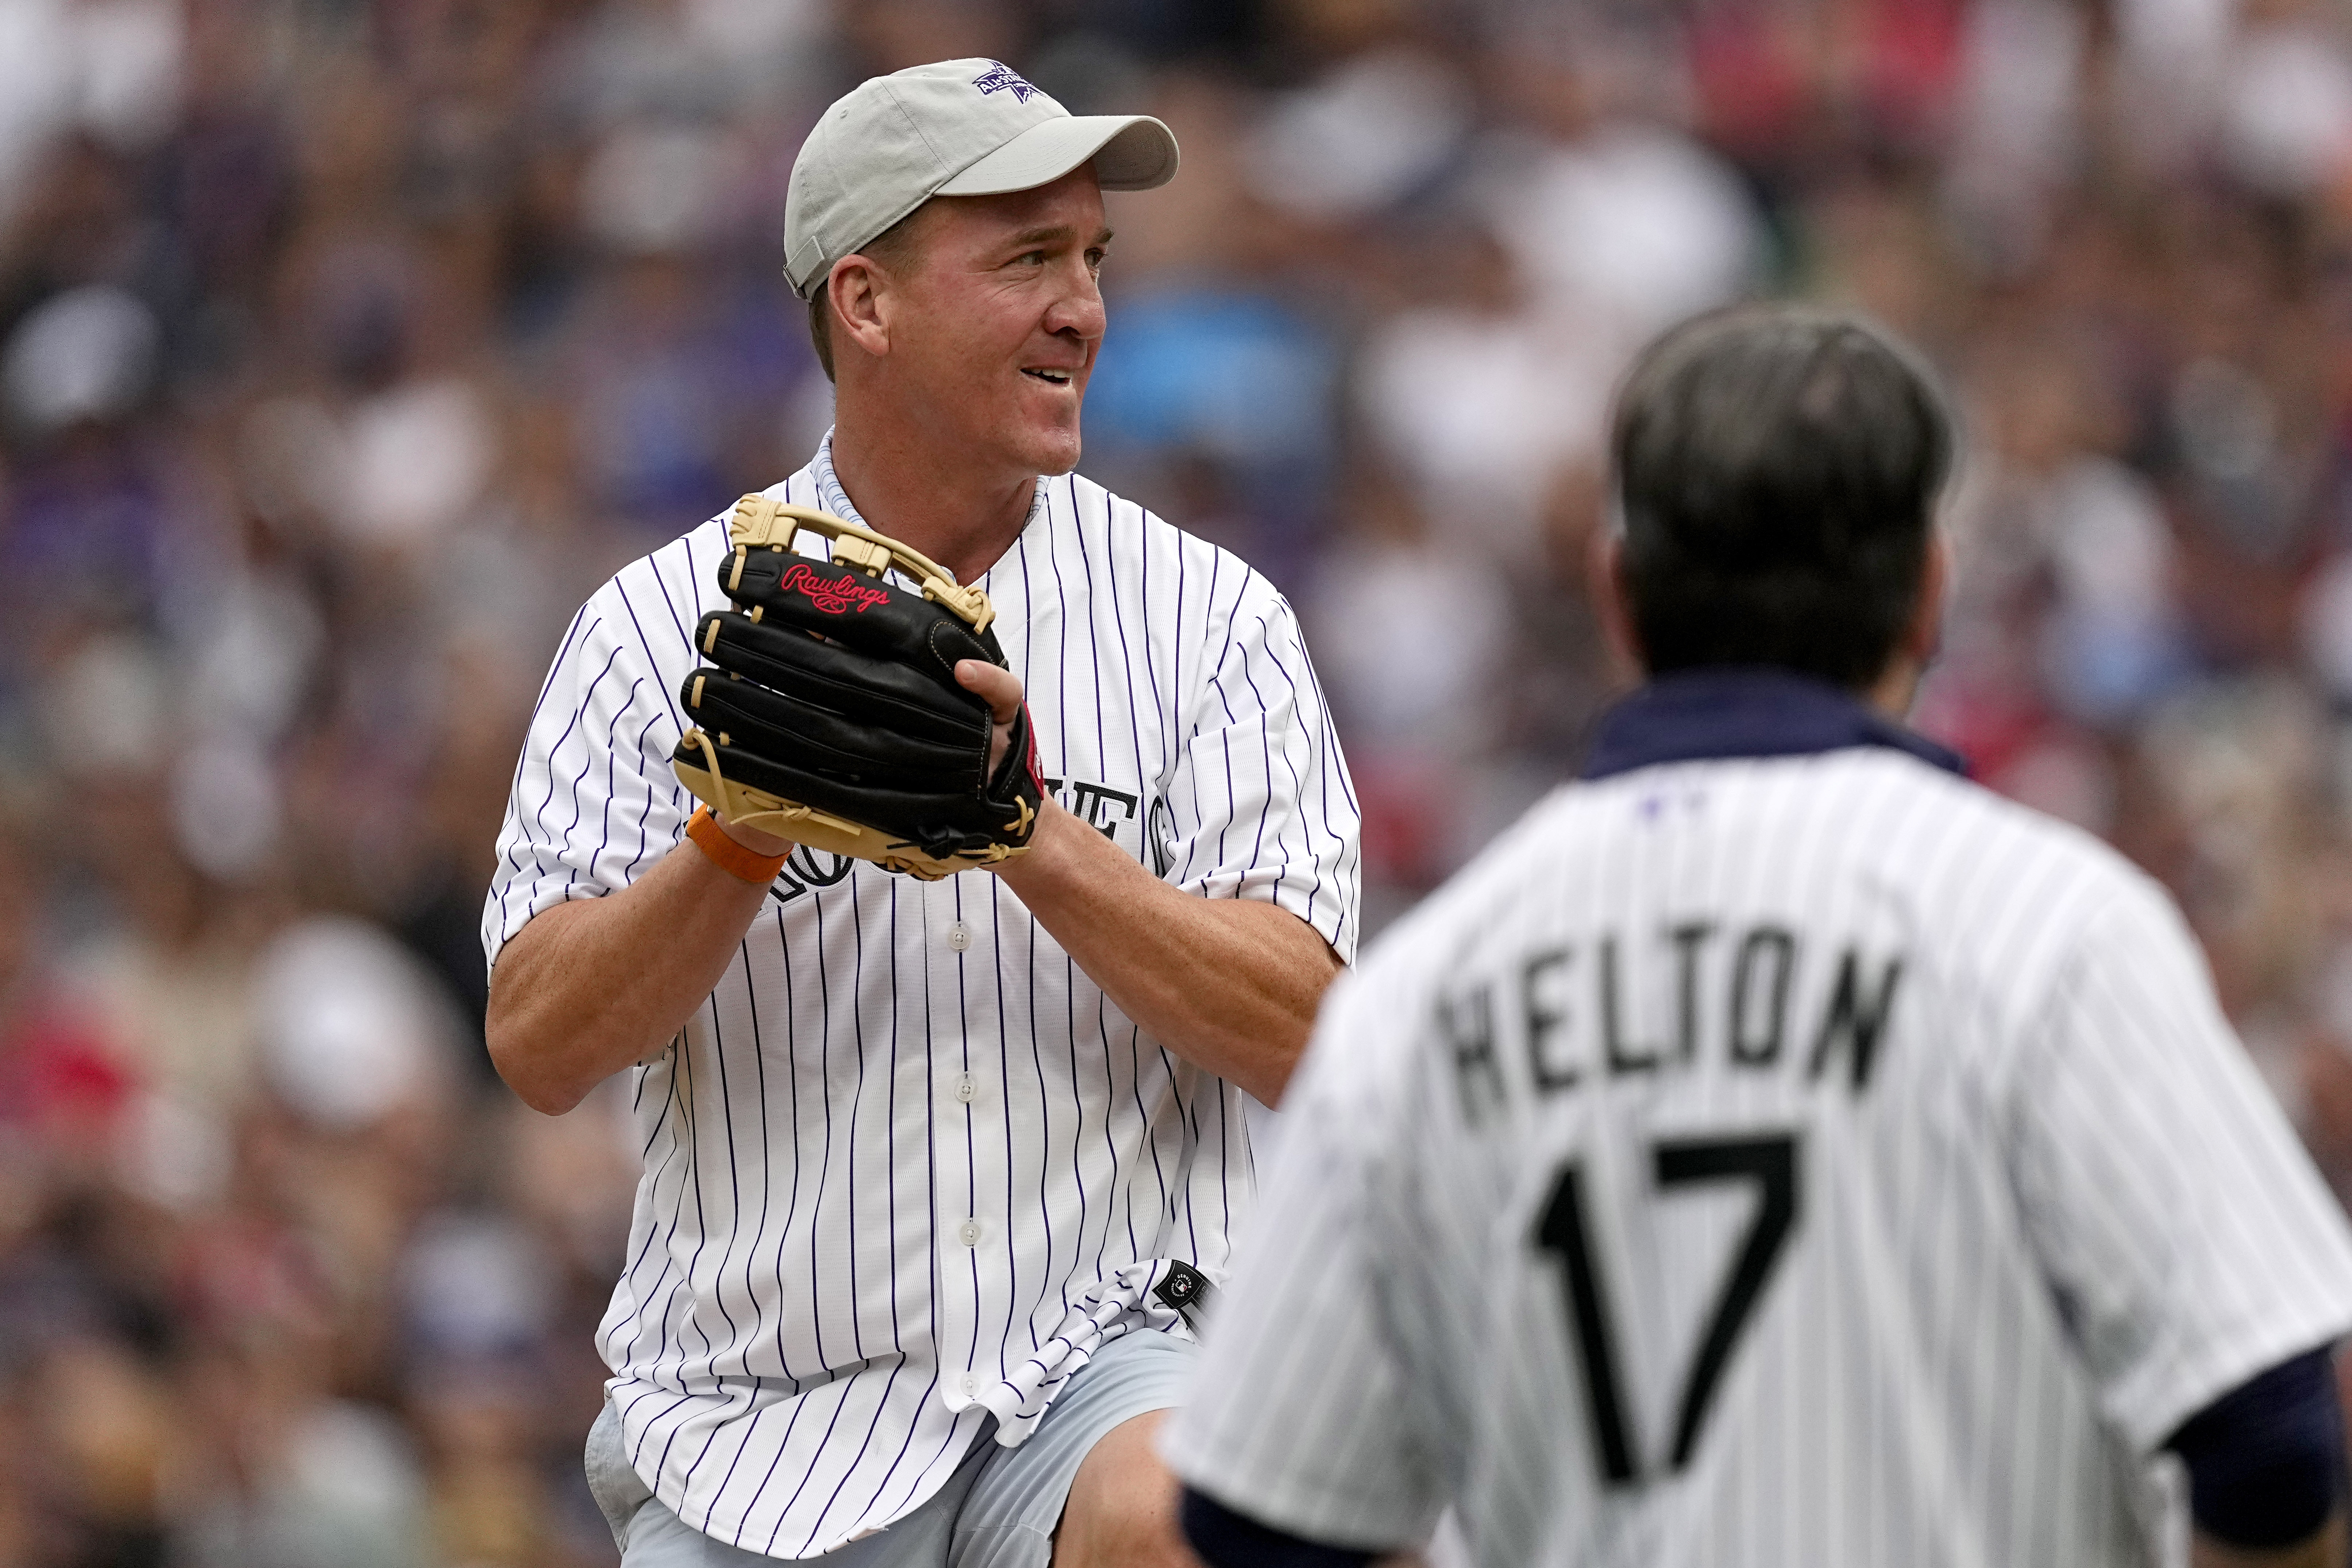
{"x":1778,"y":468}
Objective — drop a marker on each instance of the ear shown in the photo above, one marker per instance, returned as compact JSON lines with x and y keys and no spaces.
{"x":859,"y":289}
{"x":1897,"y":687}
{"x":1605,"y":580}
{"x":1925,"y":635}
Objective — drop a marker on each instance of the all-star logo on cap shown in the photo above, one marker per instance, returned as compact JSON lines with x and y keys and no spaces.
{"x":1001,"y":75}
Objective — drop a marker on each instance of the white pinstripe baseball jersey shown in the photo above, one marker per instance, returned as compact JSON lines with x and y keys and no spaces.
{"x":909,"y":1165}
{"x":1805,"y":1159}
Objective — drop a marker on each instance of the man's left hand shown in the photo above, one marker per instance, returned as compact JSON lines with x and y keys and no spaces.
{"x":1000,"y":690}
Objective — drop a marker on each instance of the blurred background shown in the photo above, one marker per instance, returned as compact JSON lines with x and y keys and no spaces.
{"x":345,"y":345}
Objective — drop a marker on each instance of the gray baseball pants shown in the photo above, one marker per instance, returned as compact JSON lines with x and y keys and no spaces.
{"x":998,"y":1510}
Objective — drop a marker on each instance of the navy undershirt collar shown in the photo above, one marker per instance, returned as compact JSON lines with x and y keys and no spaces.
{"x":1703,"y":715}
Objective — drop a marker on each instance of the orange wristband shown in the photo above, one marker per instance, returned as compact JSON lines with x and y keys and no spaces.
{"x":729,"y":856}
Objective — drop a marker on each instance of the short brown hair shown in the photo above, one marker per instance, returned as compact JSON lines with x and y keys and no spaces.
{"x":894,"y":249}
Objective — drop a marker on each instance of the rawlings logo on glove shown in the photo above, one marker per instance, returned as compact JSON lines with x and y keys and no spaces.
{"x":837,"y":597}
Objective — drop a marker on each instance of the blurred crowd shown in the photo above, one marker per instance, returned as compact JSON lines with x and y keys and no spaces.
{"x":346,"y":344}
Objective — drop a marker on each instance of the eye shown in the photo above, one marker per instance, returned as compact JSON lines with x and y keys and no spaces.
{"x":1030,"y":258}
{"x":1095,"y":257}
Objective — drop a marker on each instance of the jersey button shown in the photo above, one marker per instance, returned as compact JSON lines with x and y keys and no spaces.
{"x":966,"y":1089}
{"x":972,"y":1382}
{"x":969,"y":1233}
{"x":958,"y":937}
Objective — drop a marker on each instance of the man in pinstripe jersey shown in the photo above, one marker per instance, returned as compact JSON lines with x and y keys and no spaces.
{"x":934,"y":1173}
{"x":1777,"y":1151}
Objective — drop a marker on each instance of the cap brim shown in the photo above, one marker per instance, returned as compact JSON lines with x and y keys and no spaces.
{"x":1129,"y":153}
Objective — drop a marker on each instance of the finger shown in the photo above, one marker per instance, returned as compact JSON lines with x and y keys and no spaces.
{"x":998,"y":687}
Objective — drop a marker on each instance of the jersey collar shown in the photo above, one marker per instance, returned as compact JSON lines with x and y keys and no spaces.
{"x":1704,"y":715}
{"x":830,"y":496}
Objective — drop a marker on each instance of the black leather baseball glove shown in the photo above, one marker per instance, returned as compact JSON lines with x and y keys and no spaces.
{"x":828,"y":711}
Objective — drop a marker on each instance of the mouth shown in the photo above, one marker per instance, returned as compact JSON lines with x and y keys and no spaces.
{"x":1049,"y":376}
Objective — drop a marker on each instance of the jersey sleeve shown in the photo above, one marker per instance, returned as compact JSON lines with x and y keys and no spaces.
{"x":1305,"y":1414}
{"x":1260,"y":803}
{"x":595,"y":803}
{"x":2188,"y":1239}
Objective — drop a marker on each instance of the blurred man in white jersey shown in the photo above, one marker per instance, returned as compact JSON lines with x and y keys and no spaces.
{"x":1776,"y":1150}
{"x":934,"y":1172}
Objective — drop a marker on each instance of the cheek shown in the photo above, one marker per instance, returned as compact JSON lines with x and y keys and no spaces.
{"x":934,"y":331}
{"x":974,"y":328}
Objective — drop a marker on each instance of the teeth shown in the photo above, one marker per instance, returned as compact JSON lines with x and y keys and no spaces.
{"x":1059,"y":377}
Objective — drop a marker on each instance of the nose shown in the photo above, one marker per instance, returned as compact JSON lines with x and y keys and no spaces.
{"x":1077,"y":308}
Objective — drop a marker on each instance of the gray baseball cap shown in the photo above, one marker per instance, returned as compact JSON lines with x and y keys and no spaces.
{"x":960,"y":127}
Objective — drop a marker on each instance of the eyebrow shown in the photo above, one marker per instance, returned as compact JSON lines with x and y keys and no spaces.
{"x":1028,"y":237}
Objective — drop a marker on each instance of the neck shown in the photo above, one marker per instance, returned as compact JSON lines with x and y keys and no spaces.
{"x":960,"y":511}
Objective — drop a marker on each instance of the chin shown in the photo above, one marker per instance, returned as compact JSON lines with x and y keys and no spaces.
{"x":1052,"y":454}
